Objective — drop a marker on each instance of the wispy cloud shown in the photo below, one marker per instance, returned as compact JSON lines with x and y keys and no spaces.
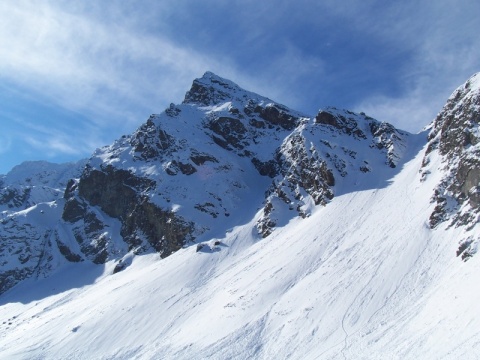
{"x":109,"y":65}
{"x":66,"y":139}
{"x":99,"y":64}
{"x":442,"y":37}
{"x":117,"y":62}
{"x":52,"y":146}
{"x":84,"y":64}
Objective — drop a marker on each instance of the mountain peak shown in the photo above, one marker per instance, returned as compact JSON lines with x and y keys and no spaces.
{"x":212,"y":89}
{"x":212,"y":77}
{"x":473,"y":82}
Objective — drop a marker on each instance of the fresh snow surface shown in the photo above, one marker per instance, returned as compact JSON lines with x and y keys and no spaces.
{"x":39,"y":181}
{"x":361,"y":278}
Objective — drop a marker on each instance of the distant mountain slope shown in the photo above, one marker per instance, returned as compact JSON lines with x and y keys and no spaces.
{"x":33,"y":182}
{"x":31,"y":204}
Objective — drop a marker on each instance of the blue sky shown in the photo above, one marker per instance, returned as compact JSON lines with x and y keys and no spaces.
{"x":77,"y":75}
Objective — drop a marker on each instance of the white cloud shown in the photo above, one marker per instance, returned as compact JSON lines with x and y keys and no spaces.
{"x":407,"y":113}
{"x":442,"y":38}
{"x":103,"y":59}
{"x":54,"y":139}
{"x":86,"y":65}
{"x":52,"y":146}
{"x":107,"y":68}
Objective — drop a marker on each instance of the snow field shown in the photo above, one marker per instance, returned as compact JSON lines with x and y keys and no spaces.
{"x":362,"y":278}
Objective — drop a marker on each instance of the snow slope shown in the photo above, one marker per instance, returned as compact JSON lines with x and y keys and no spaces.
{"x":314,"y":239}
{"x":381,"y":286}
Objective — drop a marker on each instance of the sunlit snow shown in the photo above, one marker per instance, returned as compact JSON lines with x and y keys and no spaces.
{"x":364,"y":277}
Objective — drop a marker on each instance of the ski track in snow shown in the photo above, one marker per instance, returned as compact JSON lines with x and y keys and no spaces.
{"x":310,"y":290}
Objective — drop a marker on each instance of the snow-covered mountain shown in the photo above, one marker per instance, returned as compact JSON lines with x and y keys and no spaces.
{"x":455,"y":136}
{"x":230,"y":226}
{"x":31,"y":203}
{"x":34,"y":182}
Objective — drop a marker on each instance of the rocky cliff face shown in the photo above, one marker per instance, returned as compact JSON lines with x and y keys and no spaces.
{"x":324,"y":154}
{"x":455,"y":137}
{"x":123,"y":197}
{"x":221,"y":158}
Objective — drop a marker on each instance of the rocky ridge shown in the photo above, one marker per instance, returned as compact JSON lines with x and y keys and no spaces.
{"x":455,"y":137}
{"x":221,"y":132}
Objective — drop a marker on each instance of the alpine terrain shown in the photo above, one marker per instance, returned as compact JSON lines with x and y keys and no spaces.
{"x":232,"y":227}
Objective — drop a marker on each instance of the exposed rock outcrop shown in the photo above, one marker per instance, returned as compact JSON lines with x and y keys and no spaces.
{"x":455,"y":135}
{"x":121,"y":195}
{"x":310,"y":160}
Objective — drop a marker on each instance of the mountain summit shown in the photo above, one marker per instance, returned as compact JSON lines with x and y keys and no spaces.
{"x":250,"y":230}
{"x":202,"y":167}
